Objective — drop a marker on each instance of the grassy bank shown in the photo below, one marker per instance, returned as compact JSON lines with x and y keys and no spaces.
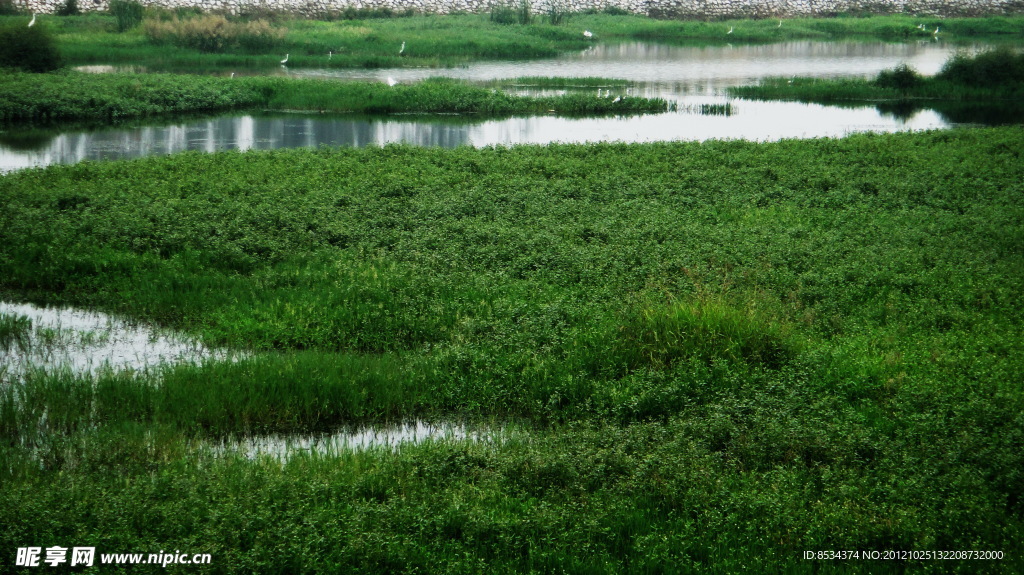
{"x":79,"y":96}
{"x":458,"y":39}
{"x":732,"y":352}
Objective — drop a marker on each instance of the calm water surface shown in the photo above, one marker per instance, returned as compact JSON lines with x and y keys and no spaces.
{"x":689,"y":76}
{"x":87,"y":342}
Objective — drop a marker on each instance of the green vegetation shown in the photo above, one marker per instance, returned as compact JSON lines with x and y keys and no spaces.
{"x":127,"y":13}
{"x":457,"y":39}
{"x":994,"y":75}
{"x":112,"y":97}
{"x":14,"y":332}
{"x":214,"y":33}
{"x":30,"y":49}
{"x":729,"y":353}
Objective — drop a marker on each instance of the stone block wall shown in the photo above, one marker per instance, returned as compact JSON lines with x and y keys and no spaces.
{"x":683,"y":9}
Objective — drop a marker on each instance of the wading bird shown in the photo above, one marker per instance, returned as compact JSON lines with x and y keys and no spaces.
{"x":780,"y":23}
{"x":33,"y":22}
{"x":588,"y":34}
{"x":285,"y":61}
{"x":936,"y":32}
{"x":329,"y":54}
{"x":391,"y":81}
{"x":402,"y":49}
{"x":730,"y":30}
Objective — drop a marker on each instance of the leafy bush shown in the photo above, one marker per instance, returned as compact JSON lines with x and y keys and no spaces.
{"x":901,"y":77}
{"x":214,"y":33}
{"x":996,"y":68}
{"x":31,"y":49}
{"x":69,"y":8}
{"x":127,"y":13}
{"x":615,"y":11}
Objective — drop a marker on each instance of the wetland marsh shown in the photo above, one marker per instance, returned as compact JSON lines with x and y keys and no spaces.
{"x":657,"y":357}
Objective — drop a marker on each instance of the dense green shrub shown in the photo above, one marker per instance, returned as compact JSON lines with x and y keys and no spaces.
{"x":996,"y":68}
{"x":69,"y":8}
{"x":127,"y":13}
{"x":31,"y":49}
{"x":901,"y":77}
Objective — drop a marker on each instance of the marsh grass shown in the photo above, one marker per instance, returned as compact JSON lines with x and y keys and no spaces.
{"x":117,"y":97}
{"x":214,"y":33}
{"x":731,"y":352}
{"x":15,"y":331}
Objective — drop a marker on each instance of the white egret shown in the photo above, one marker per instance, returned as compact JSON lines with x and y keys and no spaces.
{"x":33,"y":22}
{"x":402,"y":49}
{"x":285,"y":61}
{"x":617,"y":99}
{"x":588,"y":34}
{"x":232,"y":74}
{"x":780,"y":23}
{"x":329,"y":54}
{"x":730,"y":30}
{"x":391,"y":81}
{"x":936,"y":32}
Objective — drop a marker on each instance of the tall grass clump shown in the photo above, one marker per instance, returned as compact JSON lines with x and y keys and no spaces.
{"x":127,"y":13}
{"x":14,"y":331}
{"x":510,"y":13}
{"x":30,"y":49}
{"x":214,"y":33}
{"x":708,"y":328}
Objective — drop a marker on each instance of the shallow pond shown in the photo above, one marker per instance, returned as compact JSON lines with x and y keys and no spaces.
{"x":693,"y":77}
{"x":86,"y":342}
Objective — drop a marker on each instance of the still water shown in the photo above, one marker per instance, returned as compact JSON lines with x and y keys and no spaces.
{"x":689,"y":76}
{"x":84,"y":342}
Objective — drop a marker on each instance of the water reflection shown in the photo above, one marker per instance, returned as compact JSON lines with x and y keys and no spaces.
{"x":705,"y":68}
{"x":86,"y":342}
{"x":283,"y":446}
{"x":748,"y":120}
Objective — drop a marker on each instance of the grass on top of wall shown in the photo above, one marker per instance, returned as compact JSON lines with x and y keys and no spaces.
{"x":458,"y":39}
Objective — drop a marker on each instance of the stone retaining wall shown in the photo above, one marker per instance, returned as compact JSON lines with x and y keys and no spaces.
{"x":685,"y":9}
